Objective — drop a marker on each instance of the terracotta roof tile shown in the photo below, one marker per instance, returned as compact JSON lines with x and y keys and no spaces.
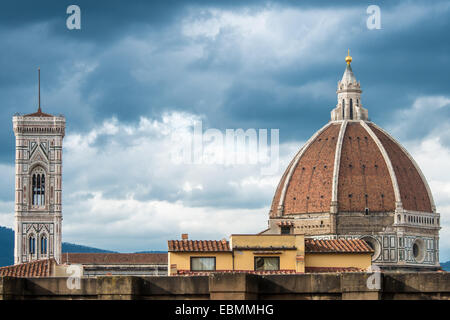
{"x":364,"y":180}
{"x":310,"y":187}
{"x":198,"y":245}
{"x":39,"y":113}
{"x":413,"y":191}
{"x":114,"y":258}
{"x":39,"y":268}
{"x":340,"y":245}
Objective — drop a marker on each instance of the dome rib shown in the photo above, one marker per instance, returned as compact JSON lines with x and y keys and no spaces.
{"x":280,"y":209}
{"x":337,"y":162}
{"x":276,"y":197}
{"x":387,"y":160}
{"x":364,"y":178}
{"x":413,"y":162}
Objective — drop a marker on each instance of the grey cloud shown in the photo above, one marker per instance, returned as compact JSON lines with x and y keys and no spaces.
{"x":132,"y":60}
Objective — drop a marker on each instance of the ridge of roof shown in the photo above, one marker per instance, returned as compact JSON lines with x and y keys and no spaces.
{"x":199,"y":245}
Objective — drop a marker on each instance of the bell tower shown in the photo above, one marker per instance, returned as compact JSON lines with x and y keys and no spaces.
{"x":38,"y":185}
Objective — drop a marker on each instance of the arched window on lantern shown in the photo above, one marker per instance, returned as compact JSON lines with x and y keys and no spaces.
{"x":351,"y":109}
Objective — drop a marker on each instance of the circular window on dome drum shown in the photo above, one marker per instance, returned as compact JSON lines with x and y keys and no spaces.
{"x":418,"y":250}
{"x":374,"y":244}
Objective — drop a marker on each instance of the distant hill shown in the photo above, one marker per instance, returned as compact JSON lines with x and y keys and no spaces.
{"x":153,"y":251}
{"x":7,"y":247}
{"x":445,"y":265}
{"x":70,"y":247}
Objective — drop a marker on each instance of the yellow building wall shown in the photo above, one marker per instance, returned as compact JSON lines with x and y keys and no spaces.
{"x":357,"y":260}
{"x":245,"y":249}
{"x":269,"y":240}
{"x":244,"y":259}
{"x":182,"y":260}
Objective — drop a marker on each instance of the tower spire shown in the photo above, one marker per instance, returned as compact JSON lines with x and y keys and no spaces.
{"x":39,"y":90}
{"x":348,"y":58}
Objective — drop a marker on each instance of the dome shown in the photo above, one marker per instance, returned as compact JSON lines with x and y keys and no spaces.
{"x":351,"y":166}
{"x":352,"y":180}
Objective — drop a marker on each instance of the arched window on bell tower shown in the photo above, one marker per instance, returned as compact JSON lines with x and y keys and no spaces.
{"x":343,"y":109}
{"x":38,"y":187}
{"x":31,"y":244}
{"x":43,"y":244}
{"x":42,"y":194}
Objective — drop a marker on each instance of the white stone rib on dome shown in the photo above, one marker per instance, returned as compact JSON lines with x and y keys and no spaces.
{"x":294,"y":165}
{"x":387,"y":160}
{"x":337,"y":161}
{"x":430,"y":195}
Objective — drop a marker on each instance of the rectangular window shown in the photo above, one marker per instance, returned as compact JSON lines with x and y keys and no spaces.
{"x":386,"y":255}
{"x":393,"y":255}
{"x":285,"y":230}
{"x":267,"y":263}
{"x":203,"y":263}
{"x":386,"y":241}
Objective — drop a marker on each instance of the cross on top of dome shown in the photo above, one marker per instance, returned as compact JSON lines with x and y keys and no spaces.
{"x":348,"y":58}
{"x":348,"y":76}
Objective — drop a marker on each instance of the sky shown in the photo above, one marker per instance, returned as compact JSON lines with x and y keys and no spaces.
{"x":138,"y":71}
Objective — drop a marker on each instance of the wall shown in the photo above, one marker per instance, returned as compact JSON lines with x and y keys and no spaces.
{"x":182,"y":260}
{"x":360,"y":260}
{"x":245,"y":259}
{"x":269,"y":240}
{"x":247,"y":247}
{"x":424,"y":285}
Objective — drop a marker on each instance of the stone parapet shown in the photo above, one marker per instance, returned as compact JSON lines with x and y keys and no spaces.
{"x":235,"y":286}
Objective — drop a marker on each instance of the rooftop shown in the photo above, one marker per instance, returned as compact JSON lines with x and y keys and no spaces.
{"x":38,"y":113}
{"x":39,"y":268}
{"x":311,"y":246}
{"x":340,"y":245}
{"x":198,"y":245}
{"x":114,"y":258}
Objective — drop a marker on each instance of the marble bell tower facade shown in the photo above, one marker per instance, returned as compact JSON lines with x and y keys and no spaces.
{"x":38,"y":186}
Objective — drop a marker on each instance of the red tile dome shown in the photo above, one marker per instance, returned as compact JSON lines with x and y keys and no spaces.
{"x":351,"y":166}
{"x":352,"y":180}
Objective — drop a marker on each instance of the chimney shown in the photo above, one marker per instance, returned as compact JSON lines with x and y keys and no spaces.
{"x":184,"y":236}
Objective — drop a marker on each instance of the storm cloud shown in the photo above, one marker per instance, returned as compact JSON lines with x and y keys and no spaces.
{"x":137,"y":68}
